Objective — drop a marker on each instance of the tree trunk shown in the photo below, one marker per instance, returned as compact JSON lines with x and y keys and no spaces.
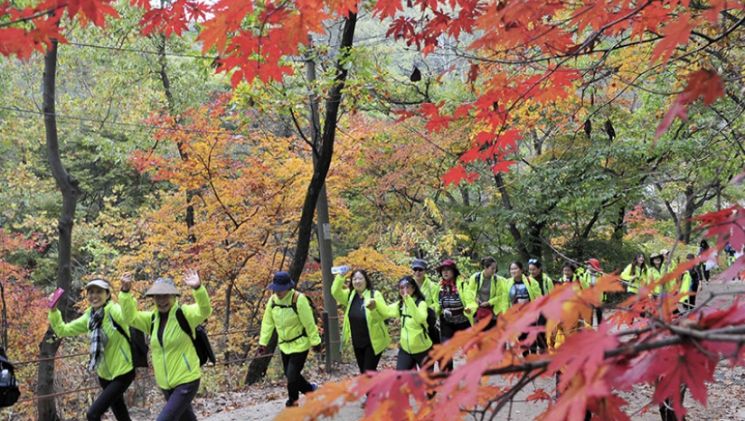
{"x":619,"y":226}
{"x":323,"y":227}
{"x":68,"y":186}
{"x":688,"y":210}
{"x":325,"y":152}
{"x":171,"y":103}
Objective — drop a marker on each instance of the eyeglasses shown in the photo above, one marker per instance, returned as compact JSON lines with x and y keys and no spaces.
{"x":418,"y":270}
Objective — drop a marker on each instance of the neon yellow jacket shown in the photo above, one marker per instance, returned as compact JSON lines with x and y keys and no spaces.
{"x":379,"y":337}
{"x":476,"y":281}
{"x":430,"y":291}
{"x":634,"y":280}
{"x":534,"y":291}
{"x":414,"y":337}
{"x":653,"y":274}
{"x":296,"y":332}
{"x":175,"y":361}
{"x":117,"y":354}
{"x":546,"y":284}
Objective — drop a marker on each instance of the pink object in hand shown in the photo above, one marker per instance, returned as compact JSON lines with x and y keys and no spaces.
{"x":56,"y":295}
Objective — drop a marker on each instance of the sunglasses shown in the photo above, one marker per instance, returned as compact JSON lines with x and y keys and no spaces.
{"x":418,"y":270}
{"x":532,"y":261}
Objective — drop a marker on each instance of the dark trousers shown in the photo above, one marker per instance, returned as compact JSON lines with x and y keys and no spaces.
{"x":406,"y":361}
{"x":447,"y":330}
{"x":296,"y":383}
{"x":178,"y":403}
{"x":366,"y":359}
{"x":112,"y":397}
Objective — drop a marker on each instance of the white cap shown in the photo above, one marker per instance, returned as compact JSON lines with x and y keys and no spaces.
{"x":98,"y":283}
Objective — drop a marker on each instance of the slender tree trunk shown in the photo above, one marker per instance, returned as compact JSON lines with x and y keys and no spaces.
{"x":688,"y":210}
{"x":323,"y":225}
{"x":171,"y":103}
{"x":619,"y":226}
{"x":68,"y":186}
{"x":325,"y":152}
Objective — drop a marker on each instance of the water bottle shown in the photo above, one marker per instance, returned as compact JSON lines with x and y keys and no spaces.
{"x":5,"y":378}
{"x":340,"y":270}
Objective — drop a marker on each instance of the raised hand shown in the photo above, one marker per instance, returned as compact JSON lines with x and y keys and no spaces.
{"x":191,"y":278}
{"x":126,"y":282}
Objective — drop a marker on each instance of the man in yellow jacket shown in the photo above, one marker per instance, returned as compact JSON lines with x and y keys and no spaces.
{"x":174,"y":357}
{"x":289,"y":313}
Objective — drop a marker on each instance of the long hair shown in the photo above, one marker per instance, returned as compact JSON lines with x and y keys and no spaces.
{"x":642,"y":266}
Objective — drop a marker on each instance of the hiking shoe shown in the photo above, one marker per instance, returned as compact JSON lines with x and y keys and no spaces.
{"x":290,"y":403}
{"x":313,"y":387}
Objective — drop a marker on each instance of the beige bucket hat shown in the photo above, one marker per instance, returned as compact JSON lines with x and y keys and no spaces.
{"x":163,"y":286}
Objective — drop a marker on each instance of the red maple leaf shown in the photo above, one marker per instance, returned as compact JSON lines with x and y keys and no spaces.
{"x":702,"y":83}
{"x":675,"y":33}
{"x":582,"y":353}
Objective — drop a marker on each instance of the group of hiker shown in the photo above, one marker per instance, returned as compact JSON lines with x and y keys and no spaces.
{"x":171,"y":327}
{"x":430,"y":312}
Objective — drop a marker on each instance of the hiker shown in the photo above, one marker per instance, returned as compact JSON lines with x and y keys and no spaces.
{"x":635,"y":273}
{"x":592,"y":272}
{"x":454,"y":307}
{"x":689,"y":283}
{"x":363,"y":320}
{"x":110,"y":352}
{"x":173,"y":354}
{"x":414,"y":343}
{"x":556,"y":331}
{"x":484,"y":286}
{"x":426,"y":285}
{"x":536,"y":273}
{"x":519,"y":289}
{"x":656,"y":271}
{"x":289,"y":312}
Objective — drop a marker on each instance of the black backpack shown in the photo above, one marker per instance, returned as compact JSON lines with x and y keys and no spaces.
{"x":9,"y":392}
{"x":137,"y":343}
{"x":200,"y":339}
{"x":295,"y":295}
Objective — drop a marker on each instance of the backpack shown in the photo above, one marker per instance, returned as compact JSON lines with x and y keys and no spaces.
{"x":9,"y":392}
{"x":295,"y":295}
{"x":200,"y":340}
{"x":137,"y":343}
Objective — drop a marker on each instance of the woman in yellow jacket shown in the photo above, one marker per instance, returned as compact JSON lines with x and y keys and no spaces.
{"x":363,"y":318}
{"x":415,"y":342}
{"x":174,"y":357}
{"x":110,"y":352}
{"x":289,"y":313}
{"x":635,"y":274}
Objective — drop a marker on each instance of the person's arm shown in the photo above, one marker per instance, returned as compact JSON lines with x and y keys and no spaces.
{"x":142,"y":321}
{"x":124,"y":312}
{"x":381,"y":310}
{"x":496,"y":290}
{"x":75,"y":327}
{"x":267,"y":324}
{"x":417,"y":312}
{"x":305,"y":314}
{"x":339,"y":292}
{"x":390,"y":311}
{"x":198,"y":312}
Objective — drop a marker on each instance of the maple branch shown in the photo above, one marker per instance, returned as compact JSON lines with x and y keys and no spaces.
{"x":34,"y":16}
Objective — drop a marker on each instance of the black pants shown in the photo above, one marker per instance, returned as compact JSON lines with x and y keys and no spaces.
{"x":296,"y":383}
{"x":366,"y":359}
{"x":178,"y":403}
{"x":598,"y":315}
{"x":447,"y":330}
{"x":406,"y":361}
{"x":112,"y":397}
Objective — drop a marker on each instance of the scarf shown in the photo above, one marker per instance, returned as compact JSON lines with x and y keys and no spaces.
{"x":449,"y":286}
{"x":98,"y":338}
